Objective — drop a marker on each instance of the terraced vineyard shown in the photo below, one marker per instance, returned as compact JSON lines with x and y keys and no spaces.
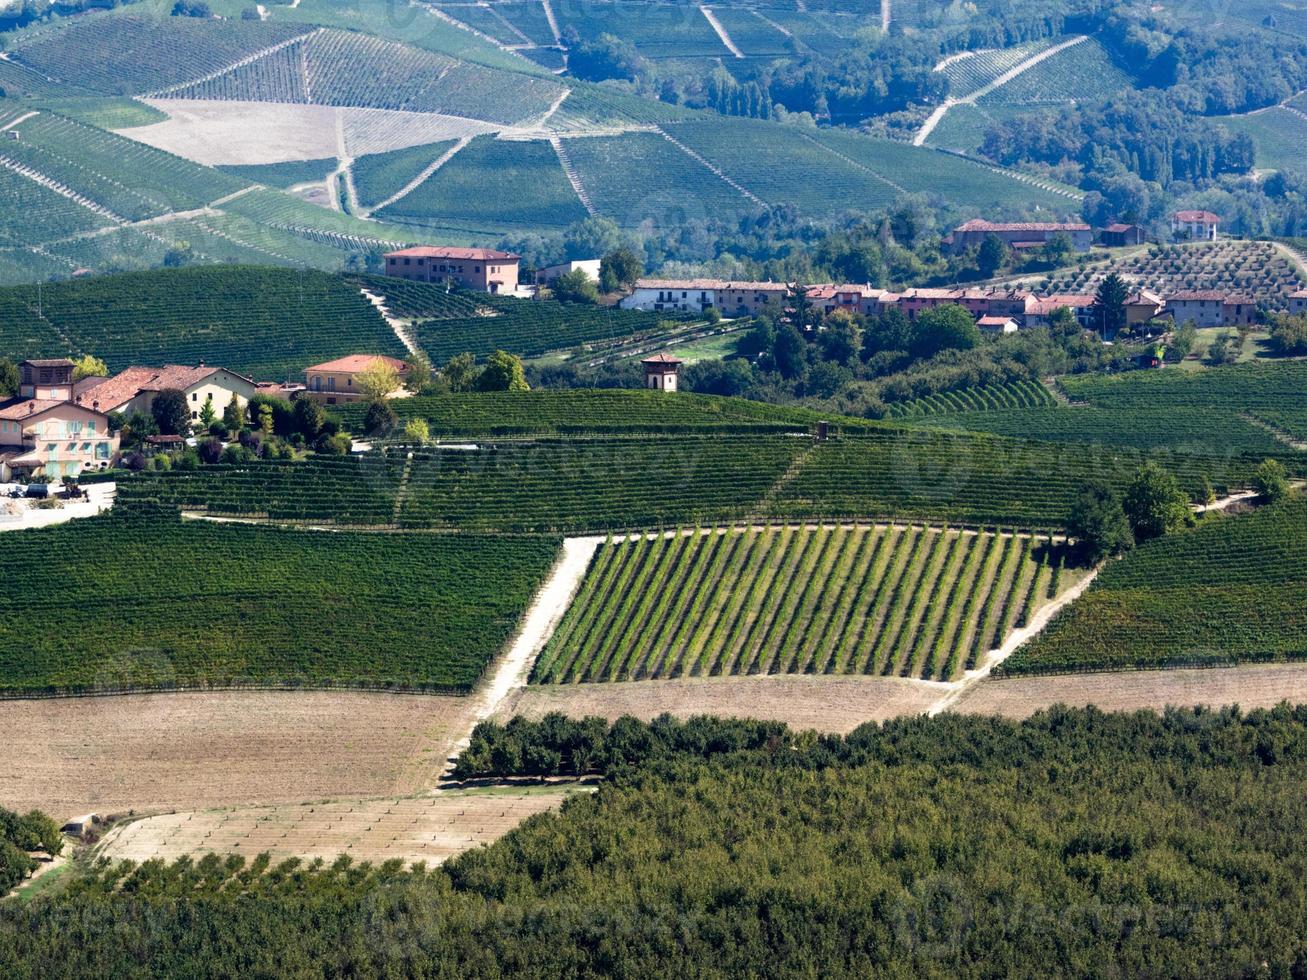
{"x":967,"y":75}
{"x":615,"y":482}
{"x":1082,"y":72}
{"x":530,"y":190}
{"x":1279,"y":134}
{"x":378,"y":176}
{"x":333,"y":67}
{"x":266,"y":322}
{"x":286,"y":174}
{"x":923,"y":474}
{"x":638,"y":176}
{"x":123,"y":52}
{"x":898,"y":601}
{"x":656,"y":31}
{"x":1233,"y":590}
{"x":546,"y":412}
{"x":31,"y":214}
{"x":987,"y":398}
{"x":132,"y":180}
{"x":750,"y":33}
{"x":170,"y":603}
{"x":1255,"y":268}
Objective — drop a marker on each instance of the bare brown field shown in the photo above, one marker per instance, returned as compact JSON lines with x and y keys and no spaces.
{"x":828,"y":704}
{"x":1259,"y":686}
{"x":153,"y":752}
{"x":430,"y":829}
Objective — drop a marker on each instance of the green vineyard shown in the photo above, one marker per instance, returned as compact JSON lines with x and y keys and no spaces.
{"x":1233,"y":590}
{"x":987,"y":398}
{"x":890,"y":600}
{"x":170,"y":603}
{"x":579,"y":410}
{"x":630,"y":481}
{"x":267,"y":322}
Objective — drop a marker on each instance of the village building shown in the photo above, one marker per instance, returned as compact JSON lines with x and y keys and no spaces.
{"x":1143,"y":307}
{"x":1082,"y":306}
{"x":135,"y":389}
{"x":550,"y":273}
{"x":864,"y":300}
{"x":1120,"y":235}
{"x":45,"y":434}
{"x":1194,"y":226}
{"x":998,"y":324}
{"x":661,"y":371}
{"x":1021,"y":235}
{"x":334,"y":382}
{"x":483,"y":269}
{"x":728,"y":297}
{"x":1211,"y":308}
{"x":1298,"y":302}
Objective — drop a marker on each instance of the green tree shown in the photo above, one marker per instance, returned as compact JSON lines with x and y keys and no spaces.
{"x":171,"y":413}
{"x":1271,"y":481}
{"x":208,"y":415}
{"x":380,"y":419}
{"x":842,"y":338}
{"x":88,"y":366}
{"x":1110,"y":301}
{"x":575,"y":287}
{"x":790,"y":352}
{"x":1185,"y":338}
{"x":377,"y":380}
{"x":460,"y":372}
{"x":947,"y":327}
{"x":1098,"y":523}
{"x":266,"y":420}
{"x":10,"y":379}
{"x":1058,"y":249}
{"x":619,"y":269}
{"x":503,"y":372}
{"x":417,"y":430}
{"x":417,"y":374}
{"x":1289,"y":334}
{"x":309,"y":418}
{"x":232,"y":416}
{"x":992,"y":256}
{"x":1155,"y":505}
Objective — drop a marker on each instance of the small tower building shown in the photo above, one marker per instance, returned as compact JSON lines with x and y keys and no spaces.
{"x":661,"y":371}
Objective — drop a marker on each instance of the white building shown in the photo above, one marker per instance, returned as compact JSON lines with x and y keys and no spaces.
{"x":1195,"y":226}
{"x":729,"y":297}
{"x":134,"y":389}
{"x":661,"y":371}
{"x":547,"y":275}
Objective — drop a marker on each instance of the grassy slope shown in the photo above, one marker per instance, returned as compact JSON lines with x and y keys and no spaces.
{"x":173,"y":603}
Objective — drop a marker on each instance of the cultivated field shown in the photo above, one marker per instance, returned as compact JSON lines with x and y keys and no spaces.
{"x":893,"y":601}
{"x":827,"y":704}
{"x":155,"y":752}
{"x":1255,"y":686}
{"x":426,"y":828}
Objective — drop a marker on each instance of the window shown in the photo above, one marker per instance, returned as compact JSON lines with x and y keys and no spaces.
{"x":316,"y":383}
{"x":195,"y":415}
{"x":85,"y":447}
{"x":406,"y":262}
{"x":350,"y":381}
{"x":331,"y":382}
{"x":101,"y":450}
{"x":90,"y":427}
{"x":476,"y":268}
{"x":195,"y":396}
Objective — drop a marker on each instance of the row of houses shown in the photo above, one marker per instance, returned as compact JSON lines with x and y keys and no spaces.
{"x":1002,"y":309}
{"x":58,"y":427}
{"x":1197,"y":226}
{"x":484,"y":270}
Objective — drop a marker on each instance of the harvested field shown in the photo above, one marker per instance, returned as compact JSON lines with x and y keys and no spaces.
{"x":828,"y":704}
{"x":429,"y":828}
{"x":1260,"y":686}
{"x":217,"y":133}
{"x":156,"y":752}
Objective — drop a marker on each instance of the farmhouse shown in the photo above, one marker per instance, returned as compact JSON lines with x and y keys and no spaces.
{"x":661,"y":371}
{"x":865,"y":300}
{"x":134,"y":389}
{"x":1082,"y":307}
{"x":334,"y":382}
{"x":1195,"y":226}
{"x":1143,"y":306}
{"x":998,"y":324}
{"x":45,"y":433}
{"x":1021,"y":234}
{"x":1211,"y":308}
{"x":1298,"y":302}
{"x":1118,"y":235}
{"x":698,"y":295}
{"x":482,"y":269}
{"x":547,"y":275}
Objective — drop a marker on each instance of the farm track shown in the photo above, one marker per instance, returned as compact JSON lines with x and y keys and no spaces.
{"x":573,"y":175}
{"x":420,"y":179}
{"x":754,"y":198}
{"x":240,"y":63}
{"x":720,"y":30}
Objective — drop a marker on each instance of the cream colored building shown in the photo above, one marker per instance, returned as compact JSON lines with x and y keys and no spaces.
{"x":134,"y":389}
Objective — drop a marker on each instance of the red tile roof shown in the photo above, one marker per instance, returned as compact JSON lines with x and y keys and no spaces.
{"x":662,"y":360}
{"x":24,"y":407}
{"x":980,"y":224}
{"x":358,"y":362}
{"x":48,"y":362}
{"x":1205,"y":217}
{"x":1214,"y":295}
{"x":444,"y":252}
{"x":688,"y":284}
{"x":126,"y":385}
